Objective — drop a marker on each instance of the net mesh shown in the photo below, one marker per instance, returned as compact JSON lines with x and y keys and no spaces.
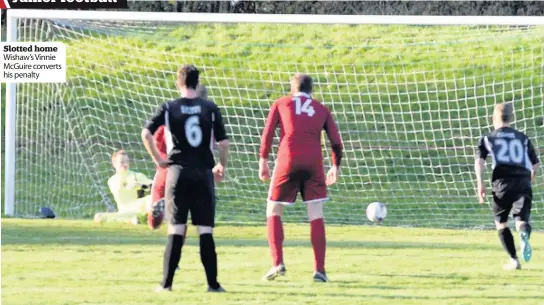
{"x":410,"y":101}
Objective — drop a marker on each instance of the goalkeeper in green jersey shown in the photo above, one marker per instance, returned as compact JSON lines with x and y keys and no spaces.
{"x":129,"y":189}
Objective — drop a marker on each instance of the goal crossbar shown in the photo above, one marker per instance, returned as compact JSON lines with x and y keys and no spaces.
{"x":277,"y":18}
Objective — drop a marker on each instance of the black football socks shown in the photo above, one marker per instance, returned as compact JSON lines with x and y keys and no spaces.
{"x":507,"y":240}
{"x":209,"y":259}
{"x":172,"y":255}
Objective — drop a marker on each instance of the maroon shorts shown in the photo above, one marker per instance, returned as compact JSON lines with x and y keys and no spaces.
{"x":288,"y":181}
{"x":159,"y":182}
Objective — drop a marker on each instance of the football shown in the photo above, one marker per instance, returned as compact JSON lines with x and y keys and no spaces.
{"x":376,"y":212}
{"x":156,"y":215}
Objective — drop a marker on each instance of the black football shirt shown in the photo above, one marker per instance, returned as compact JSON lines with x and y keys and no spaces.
{"x":512,"y":153}
{"x":191,"y":128}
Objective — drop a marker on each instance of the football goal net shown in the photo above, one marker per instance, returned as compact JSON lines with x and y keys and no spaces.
{"x":412,"y":96}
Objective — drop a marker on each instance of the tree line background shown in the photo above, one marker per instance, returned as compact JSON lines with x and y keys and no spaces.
{"x":463,"y":8}
{"x":474,"y":8}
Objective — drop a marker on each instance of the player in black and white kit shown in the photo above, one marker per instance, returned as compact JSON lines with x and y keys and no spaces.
{"x":192,"y":125}
{"x":514,"y":166}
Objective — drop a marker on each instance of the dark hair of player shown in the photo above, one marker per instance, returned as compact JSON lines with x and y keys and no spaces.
{"x":504,"y":112}
{"x":188,"y":76}
{"x":302,"y":83}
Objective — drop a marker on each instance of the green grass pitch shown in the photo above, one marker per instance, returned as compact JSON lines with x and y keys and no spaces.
{"x":58,"y":262}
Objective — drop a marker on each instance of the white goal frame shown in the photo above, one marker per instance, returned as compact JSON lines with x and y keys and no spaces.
{"x":14,"y":15}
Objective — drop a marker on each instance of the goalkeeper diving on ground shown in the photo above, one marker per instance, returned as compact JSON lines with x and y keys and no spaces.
{"x":129,"y":189}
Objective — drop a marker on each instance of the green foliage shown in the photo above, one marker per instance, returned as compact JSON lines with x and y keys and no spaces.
{"x":437,"y":8}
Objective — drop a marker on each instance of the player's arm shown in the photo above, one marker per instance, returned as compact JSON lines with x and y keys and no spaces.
{"x":335,"y":139}
{"x":143,"y":184}
{"x":149,"y":129}
{"x":337,"y":147}
{"x":533,"y":172}
{"x":533,"y":157}
{"x":479,"y":167}
{"x":143,"y":180}
{"x":220,"y":135}
{"x":160,"y":141}
{"x":270,"y":126}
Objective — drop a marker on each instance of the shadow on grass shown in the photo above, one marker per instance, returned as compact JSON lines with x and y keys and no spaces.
{"x":457,"y":276}
{"x":357,"y":290}
{"x":51,"y":233}
{"x":345,"y":294}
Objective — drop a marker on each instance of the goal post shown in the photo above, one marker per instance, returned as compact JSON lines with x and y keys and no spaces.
{"x":411,"y":94}
{"x":10,"y":132}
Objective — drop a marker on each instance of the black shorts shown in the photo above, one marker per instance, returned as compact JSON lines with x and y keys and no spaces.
{"x":190,"y":190}
{"x":514,"y":196}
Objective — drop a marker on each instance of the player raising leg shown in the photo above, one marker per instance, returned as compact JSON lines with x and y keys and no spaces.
{"x":514,"y":167}
{"x":299,"y":168}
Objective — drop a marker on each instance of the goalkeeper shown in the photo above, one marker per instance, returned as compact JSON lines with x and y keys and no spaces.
{"x":129,"y":190}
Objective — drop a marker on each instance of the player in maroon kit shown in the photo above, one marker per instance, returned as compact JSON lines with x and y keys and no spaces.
{"x":155,"y":217}
{"x":299,"y":168}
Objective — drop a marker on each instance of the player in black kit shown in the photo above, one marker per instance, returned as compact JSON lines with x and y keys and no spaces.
{"x":192,"y":125}
{"x":514,"y":166}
